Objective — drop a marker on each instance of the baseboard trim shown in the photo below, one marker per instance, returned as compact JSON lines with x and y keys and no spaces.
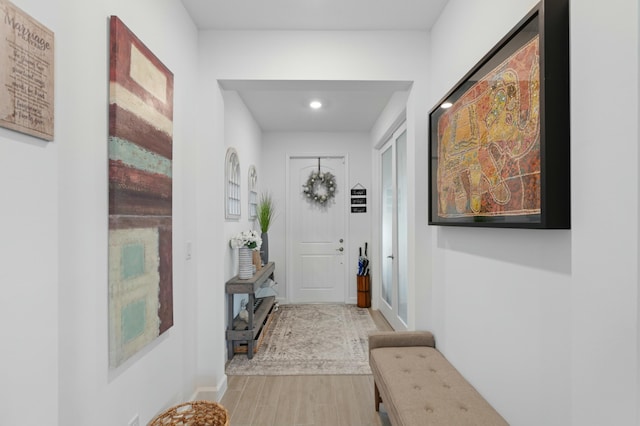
{"x":211,"y":393}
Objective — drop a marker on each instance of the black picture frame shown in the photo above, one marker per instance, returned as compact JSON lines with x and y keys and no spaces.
{"x":489,"y":167}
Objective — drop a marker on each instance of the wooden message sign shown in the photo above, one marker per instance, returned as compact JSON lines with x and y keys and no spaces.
{"x":26,"y":73}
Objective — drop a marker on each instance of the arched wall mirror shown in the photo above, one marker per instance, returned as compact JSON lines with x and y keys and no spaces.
{"x":253,"y":193}
{"x":232,"y":185}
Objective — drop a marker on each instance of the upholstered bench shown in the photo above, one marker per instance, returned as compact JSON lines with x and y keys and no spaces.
{"x":418,"y":386}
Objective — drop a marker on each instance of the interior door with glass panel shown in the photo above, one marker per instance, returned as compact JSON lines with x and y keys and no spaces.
{"x":393,"y":230}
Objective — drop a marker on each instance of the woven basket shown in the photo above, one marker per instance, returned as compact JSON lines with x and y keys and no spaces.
{"x":194,"y":413}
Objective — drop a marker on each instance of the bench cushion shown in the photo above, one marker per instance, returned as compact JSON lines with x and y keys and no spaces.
{"x":419,"y":386}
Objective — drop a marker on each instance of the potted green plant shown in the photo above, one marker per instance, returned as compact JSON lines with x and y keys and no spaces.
{"x":266,"y":214}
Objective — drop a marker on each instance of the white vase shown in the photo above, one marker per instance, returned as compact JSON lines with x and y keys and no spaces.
{"x":245,"y":263}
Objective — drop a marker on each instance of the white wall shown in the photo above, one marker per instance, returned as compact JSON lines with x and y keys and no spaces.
{"x":224,"y":122}
{"x":604,"y":251}
{"x":314,"y":55}
{"x":29,"y":267}
{"x":277,"y":148}
{"x":165,"y":372}
{"x":544,"y":323}
{"x":393,"y":114}
{"x":242,"y":133}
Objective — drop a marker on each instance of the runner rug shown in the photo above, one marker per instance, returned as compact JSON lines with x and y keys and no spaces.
{"x":311,"y":339}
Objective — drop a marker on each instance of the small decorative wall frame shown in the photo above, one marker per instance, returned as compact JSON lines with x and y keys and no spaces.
{"x":358,"y":199}
{"x":499,"y":140}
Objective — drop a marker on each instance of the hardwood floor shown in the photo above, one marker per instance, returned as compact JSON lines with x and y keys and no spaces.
{"x":304,"y":400}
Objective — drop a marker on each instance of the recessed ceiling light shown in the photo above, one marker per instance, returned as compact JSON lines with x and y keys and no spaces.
{"x":315,"y":104}
{"x":446,"y":105}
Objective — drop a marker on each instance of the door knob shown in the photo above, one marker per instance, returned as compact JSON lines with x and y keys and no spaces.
{"x":340,"y":249}
{"x":390,"y":256}
{"x":341,"y":240}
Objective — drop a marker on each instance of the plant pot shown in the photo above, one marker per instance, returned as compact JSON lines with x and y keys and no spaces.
{"x":264,"y":249}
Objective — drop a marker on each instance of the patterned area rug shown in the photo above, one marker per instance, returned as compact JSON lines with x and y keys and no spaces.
{"x":311,"y":339}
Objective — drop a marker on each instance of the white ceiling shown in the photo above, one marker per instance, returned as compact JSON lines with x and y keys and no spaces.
{"x":314,"y":14}
{"x":348,"y":106}
{"x":283,"y":105}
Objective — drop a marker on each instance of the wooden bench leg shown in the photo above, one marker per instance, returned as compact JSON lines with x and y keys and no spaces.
{"x":378,"y":400}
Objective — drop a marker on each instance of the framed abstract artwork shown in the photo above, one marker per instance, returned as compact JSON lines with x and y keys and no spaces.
{"x":499,"y":140}
{"x":140,"y":148}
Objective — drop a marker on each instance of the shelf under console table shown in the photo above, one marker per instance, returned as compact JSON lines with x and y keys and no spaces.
{"x":258,"y":309}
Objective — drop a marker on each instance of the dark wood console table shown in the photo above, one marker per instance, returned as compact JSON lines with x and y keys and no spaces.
{"x":258,"y":309}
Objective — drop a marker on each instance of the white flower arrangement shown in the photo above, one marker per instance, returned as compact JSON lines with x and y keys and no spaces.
{"x":249,"y":239}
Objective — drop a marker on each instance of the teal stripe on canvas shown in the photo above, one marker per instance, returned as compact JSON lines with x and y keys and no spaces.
{"x":133,"y":319}
{"x":137,"y":157}
{"x":132,"y":260}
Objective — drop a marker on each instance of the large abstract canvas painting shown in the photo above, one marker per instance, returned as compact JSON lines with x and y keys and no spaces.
{"x":498,"y":157}
{"x":490,"y":139}
{"x":140,"y":195}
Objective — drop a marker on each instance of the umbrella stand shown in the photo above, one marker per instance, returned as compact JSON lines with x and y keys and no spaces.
{"x":364,"y":291}
{"x":364,"y":281}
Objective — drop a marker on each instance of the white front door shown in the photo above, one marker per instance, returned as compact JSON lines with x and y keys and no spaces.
{"x":317,"y":267}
